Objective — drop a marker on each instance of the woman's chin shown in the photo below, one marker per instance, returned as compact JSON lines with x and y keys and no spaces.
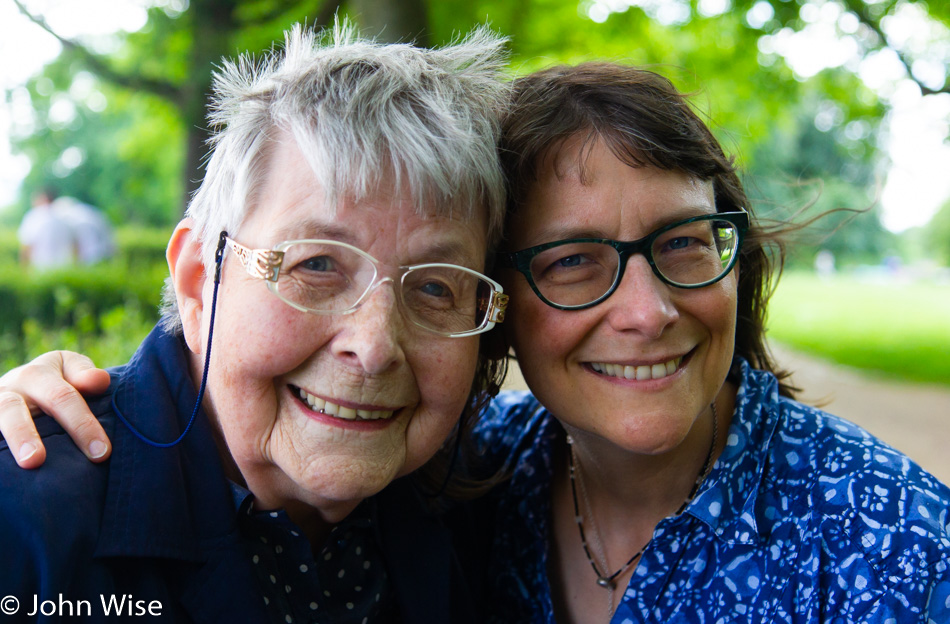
{"x":352,"y":480}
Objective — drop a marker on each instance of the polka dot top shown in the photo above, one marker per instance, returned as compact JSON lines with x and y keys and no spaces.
{"x":346,"y":582}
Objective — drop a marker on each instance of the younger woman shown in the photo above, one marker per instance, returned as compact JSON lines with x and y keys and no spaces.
{"x":661,"y":470}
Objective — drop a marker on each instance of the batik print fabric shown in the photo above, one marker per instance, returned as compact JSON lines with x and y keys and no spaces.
{"x":804,"y":518}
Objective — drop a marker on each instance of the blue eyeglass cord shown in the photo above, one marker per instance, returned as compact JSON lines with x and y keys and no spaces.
{"x":218,"y":255}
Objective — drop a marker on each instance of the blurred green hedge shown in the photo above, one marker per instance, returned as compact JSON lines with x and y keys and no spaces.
{"x":104,"y":310}
{"x":9,"y":247}
{"x":142,"y":246}
{"x":58,"y":298}
{"x":137,"y":246}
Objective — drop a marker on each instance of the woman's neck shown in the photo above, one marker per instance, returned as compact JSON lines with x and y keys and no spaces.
{"x":620,"y":497}
{"x":315,"y":518}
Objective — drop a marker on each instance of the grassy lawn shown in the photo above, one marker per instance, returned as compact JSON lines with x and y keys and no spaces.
{"x":901,"y":329}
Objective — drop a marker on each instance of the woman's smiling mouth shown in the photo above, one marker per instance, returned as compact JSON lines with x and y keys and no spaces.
{"x":640,"y":373}
{"x":323,"y":406}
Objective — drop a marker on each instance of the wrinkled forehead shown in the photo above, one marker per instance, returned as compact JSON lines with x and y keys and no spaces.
{"x":292,"y":203}
{"x":357,"y":178}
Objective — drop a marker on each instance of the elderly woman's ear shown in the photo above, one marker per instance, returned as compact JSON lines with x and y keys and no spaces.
{"x":188,"y":277}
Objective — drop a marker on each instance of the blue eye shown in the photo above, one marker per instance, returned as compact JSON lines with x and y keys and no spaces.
{"x":681,"y":242}
{"x":318,"y":263}
{"x":570,"y":261}
{"x":434,"y":289}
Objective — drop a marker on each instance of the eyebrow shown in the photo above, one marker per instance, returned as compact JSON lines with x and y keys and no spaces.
{"x":309,"y":229}
{"x":555,"y":233}
{"x":449,"y":251}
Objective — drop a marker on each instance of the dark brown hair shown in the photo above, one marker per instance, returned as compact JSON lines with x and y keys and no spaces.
{"x":645,"y":122}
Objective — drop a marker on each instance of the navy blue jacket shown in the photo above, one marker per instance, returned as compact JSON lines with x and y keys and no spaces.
{"x":160,"y":525}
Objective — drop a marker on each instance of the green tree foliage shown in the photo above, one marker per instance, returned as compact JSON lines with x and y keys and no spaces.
{"x":124,"y":157}
{"x":160,"y":76}
{"x":816,"y":169}
{"x":165,"y":70}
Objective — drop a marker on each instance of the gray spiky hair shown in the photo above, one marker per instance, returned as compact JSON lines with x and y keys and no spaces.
{"x":359,"y":111}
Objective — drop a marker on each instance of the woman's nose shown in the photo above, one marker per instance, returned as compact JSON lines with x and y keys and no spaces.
{"x":372,"y":336}
{"x":641,"y":302}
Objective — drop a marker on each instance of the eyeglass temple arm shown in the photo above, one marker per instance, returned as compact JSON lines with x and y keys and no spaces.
{"x":496,"y":307}
{"x":259,"y":263}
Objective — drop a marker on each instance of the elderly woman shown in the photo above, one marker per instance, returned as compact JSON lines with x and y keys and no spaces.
{"x":325,"y":299}
{"x":661,"y":470}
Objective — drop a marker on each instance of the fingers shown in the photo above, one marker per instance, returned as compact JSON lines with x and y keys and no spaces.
{"x":16,"y":425}
{"x":53,"y":391}
{"x":83,"y":375}
{"x":47,"y":384}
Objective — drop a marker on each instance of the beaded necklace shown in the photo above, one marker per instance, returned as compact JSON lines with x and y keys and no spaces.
{"x":608,"y":581}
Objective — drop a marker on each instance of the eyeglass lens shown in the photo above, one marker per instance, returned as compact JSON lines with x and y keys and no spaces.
{"x":323,"y":277}
{"x":690,"y":254}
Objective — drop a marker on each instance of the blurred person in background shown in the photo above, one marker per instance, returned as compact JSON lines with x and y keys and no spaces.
{"x":95,"y":241}
{"x":46,"y":240}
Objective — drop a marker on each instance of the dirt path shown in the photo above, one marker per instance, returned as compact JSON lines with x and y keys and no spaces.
{"x":913,"y":418}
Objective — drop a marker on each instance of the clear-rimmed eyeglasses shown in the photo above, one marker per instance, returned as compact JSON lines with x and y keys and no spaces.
{"x":331,"y":277}
{"x":578,"y":273}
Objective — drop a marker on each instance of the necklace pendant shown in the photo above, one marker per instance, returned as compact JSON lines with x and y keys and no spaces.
{"x":605,"y":582}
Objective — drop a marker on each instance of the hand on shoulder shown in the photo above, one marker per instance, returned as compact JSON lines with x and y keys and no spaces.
{"x":53,"y":383}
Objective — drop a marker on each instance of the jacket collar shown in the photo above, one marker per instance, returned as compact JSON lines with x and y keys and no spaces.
{"x":162,"y":502}
{"x":727,"y":500}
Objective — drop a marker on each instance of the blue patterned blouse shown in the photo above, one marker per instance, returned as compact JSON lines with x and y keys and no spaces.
{"x":804,"y":518}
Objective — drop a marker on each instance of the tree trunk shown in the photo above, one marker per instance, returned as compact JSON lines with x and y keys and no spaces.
{"x":393,"y":21}
{"x":213,"y":26}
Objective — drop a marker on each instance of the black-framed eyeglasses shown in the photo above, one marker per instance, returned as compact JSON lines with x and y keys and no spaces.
{"x":331,"y":277}
{"x":578,"y":273}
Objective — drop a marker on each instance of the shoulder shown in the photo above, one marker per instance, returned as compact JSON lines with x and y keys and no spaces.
{"x":67,"y":478}
{"x":840,"y":459}
{"x":509,"y":412}
{"x":807,"y":450}
{"x":32,"y":221}
{"x":50,"y":516}
{"x":863,"y":500}
{"x":849,"y":510}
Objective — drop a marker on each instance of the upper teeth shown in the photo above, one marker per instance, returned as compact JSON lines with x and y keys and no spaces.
{"x":640,"y":373}
{"x":347,"y":413}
